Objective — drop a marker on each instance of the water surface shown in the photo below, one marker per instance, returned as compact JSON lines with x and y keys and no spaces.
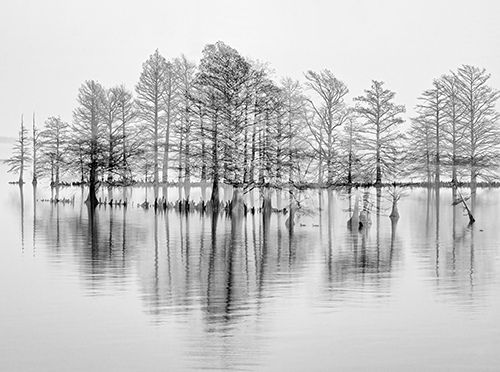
{"x":129,"y":289}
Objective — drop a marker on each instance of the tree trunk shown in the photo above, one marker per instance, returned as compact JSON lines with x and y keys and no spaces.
{"x":215,"y":193}
{"x":394,"y":213}
{"x":237,"y":203}
{"x":92,"y":198}
{"x":266,"y":200}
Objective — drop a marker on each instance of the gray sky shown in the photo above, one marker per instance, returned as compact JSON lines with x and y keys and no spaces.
{"x":50,"y":47}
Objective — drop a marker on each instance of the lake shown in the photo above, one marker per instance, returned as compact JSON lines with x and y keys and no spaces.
{"x":131,"y":289}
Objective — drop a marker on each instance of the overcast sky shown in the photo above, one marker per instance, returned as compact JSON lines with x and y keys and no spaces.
{"x":50,"y":47}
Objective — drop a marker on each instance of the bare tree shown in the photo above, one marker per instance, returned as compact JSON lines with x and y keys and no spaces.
{"x":130,"y":144}
{"x":111,"y":113}
{"x":54,"y":144}
{"x":185,"y":74}
{"x":35,"y":137}
{"x":294,"y":103}
{"x":222,"y":88}
{"x":453,"y":130}
{"x":151,"y":103}
{"x":421,"y":145}
{"x":331,"y":113}
{"x":88,"y":127}
{"x":170,"y":98}
{"x":380,"y":128}
{"x":21,"y":156}
{"x":350,"y":150}
{"x":431,"y":111}
{"x":480,"y":120}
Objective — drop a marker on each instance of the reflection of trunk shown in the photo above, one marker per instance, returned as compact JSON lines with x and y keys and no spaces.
{"x":93,"y":231}
{"x":394,"y":224}
{"x":165,"y":192}
{"x":454,"y":229}
{"x":188,"y":252}
{"x":111,"y":227}
{"x":437,"y":229}
{"x":379,"y":195}
{"x":124,"y":233}
{"x":290,"y":221}
{"x":155,"y":191}
{"x":231,"y":271}
{"x":266,"y":232}
{"x":320,"y":204}
{"x":21,"y":199}
{"x":354,"y":222}
{"x":330,"y":229}
{"x":34,"y":218}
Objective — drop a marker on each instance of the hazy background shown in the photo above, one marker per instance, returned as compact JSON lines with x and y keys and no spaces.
{"x":49,"y":48}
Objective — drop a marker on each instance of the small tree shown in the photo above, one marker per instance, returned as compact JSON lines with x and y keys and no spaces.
{"x":36,"y":146}
{"x":54,"y":141}
{"x":21,"y":156}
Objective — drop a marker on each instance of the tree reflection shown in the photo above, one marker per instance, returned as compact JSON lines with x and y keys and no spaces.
{"x":366,"y":256}
{"x":438,"y":203}
{"x":452,"y":239}
{"x":227,"y":266}
{"x":34,"y":217}
{"x":21,"y":205}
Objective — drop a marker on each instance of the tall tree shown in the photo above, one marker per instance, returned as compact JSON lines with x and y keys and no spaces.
{"x":170,"y":98}
{"x":222,"y":84}
{"x":294,"y":103}
{"x":130,"y":144}
{"x":350,"y":150}
{"x":185,"y":74}
{"x":331,"y":112}
{"x":480,"y":120}
{"x":111,"y":113}
{"x":453,"y":130}
{"x":380,"y":131}
{"x":431,"y":111}
{"x":89,"y":127}
{"x":151,"y":103}
{"x":21,"y":156}
{"x":421,"y":145}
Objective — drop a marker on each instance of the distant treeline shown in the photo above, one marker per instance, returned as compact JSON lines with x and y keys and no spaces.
{"x":230,"y":119}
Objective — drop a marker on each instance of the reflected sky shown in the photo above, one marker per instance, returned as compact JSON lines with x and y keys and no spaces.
{"x":134,"y":289}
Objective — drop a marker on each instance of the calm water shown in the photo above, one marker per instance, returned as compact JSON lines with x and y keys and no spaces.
{"x":141,"y":291}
